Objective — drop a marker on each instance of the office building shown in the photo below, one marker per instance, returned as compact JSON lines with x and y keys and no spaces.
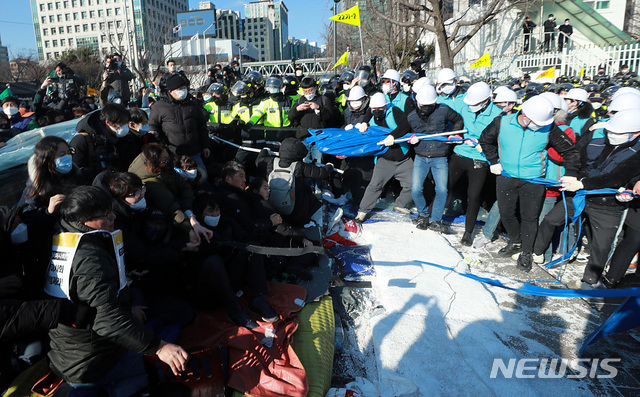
{"x":267,"y":27}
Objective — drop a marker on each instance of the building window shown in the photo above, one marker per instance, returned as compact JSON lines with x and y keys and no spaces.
{"x":67,"y":17}
{"x":85,"y":27}
{"x":602,"y":5}
{"x":57,"y":5}
{"x":45,"y":32}
{"x":75,"y":16}
{"x":50,"y":6}
{"x":70,"y":42}
{"x":84,"y":15}
{"x":74,"y":3}
{"x":118,"y":9}
{"x":103,"y":38}
{"x":56,"y":54}
{"x":110,"y":25}
{"x":59,"y":17}
{"x":53,"y":31}
{"x":66,"y":4}
{"x":100,"y":13}
{"x":69,"y":29}
{"x":54,"y":43}
{"x":118,"y":24}
{"x":46,"y":43}
{"x":93,"y":27}
{"x":52,"y":18}
{"x":102,"y":25}
{"x":62,"y":42}
{"x":44,"y":19}
{"x":92,"y":14}
{"x":108,"y":12}
{"x":42,"y":6}
{"x":77,"y":28}
{"x":48,"y":55}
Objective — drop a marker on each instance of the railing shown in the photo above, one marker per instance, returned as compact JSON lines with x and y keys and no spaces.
{"x":310,"y":66}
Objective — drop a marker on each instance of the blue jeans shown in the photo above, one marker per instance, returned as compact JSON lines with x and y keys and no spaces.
{"x":491,"y":224}
{"x":440,"y":171}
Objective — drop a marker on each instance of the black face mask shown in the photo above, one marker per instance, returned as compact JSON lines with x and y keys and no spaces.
{"x":378,"y":114}
{"x":426,"y":110}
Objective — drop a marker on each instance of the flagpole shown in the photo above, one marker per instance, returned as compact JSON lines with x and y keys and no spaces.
{"x":361,"y":43}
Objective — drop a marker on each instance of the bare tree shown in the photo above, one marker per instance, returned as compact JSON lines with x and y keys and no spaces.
{"x":24,"y":66}
{"x":85,"y":62}
{"x":452,"y":34}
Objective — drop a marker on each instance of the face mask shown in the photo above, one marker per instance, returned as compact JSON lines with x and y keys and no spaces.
{"x":426,"y":110}
{"x":117,"y":101}
{"x":20,"y":234}
{"x":475,"y":108}
{"x":180,"y":94}
{"x":191,"y":174}
{"x":10,"y":111}
{"x":618,"y":139}
{"x":122,"y":131}
{"x":378,"y":113}
{"x":212,"y":220}
{"x":144,"y":129}
{"x":533,"y":126}
{"x":217,"y":100}
{"x":448,"y":89}
{"x":625,"y":71}
{"x":386,"y":88}
{"x":310,"y":96}
{"x":298,"y":73}
{"x":346,"y":87}
{"x":566,"y":23}
{"x":64,"y":164}
{"x":140,"y":205}
{"x":406,"y":88}
{"x":551,"y":19}
{"x":207,"y":98}
{"x":356,"y":104}
{"x":596,"y":105}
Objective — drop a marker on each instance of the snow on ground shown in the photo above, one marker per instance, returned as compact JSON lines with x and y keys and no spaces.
{"x":443,"y":331}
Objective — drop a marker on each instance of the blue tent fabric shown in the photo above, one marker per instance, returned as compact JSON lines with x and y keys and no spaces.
{"x":626,"y":317}
{"x":356,"y":259}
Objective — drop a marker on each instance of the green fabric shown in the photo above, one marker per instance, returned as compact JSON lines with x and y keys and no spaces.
{"x":587,"y":20}
{"x":7,"y":92}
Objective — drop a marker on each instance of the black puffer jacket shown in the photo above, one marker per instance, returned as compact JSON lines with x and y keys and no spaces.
{"x":306,"y":204}
{"x":433,"y":123}
{"x":306,"y":119}
{"x":81,"y":355}
{"x":97,"y":149}
{"x":181,"y":125}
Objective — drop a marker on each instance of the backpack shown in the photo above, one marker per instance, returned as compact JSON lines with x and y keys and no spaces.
{"x":282,"y":183}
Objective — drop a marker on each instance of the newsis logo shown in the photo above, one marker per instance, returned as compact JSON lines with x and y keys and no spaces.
{"x":578,"y":368}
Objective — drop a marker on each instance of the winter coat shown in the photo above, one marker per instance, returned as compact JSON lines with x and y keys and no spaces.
{"x":308,"y":119}
{"x":167,"y":191}
{"x":181,"y":125}
{"x":362,"y":115}
{"x":234,"y":204}
{"x":306,"y":204}
{"x":97,"y":148}
{"x":120,"y":83}
{"x":581,"y":121}
{"x":85,"y":355}
{"x":436,"y":122}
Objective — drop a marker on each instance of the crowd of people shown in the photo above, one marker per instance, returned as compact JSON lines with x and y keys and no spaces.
{"x":150,"y":217}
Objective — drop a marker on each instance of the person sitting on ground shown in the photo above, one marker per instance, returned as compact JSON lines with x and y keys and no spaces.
{"x":19,"y":124}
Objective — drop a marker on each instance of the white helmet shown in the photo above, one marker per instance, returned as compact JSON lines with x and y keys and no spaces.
{"x":539,"y":110}
{"x":625,"y":90}
{"x":506,"y":96}
{"x":625,"y":121}
{"x":356,"y":93}
{"x":577,"y":94}
{"x":427,"y":95}
{"x":555,"y":100}
{"x":419,"y":83}
{"x":477,"y":93}
{"x":500,"y":89}
{"x":378,"y":100}
{"x":391,"y":75}
{"x":446,"y":75}
{"x":625,"y":101}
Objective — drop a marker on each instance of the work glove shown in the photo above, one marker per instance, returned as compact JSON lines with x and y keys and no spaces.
{"x":362,"y":127}
{"x":570,"y":183}
{"x":348,"y":127}
{"x":389,"y":140}
{"x":496,"y":169}
{"x":414,"y":140}
{"x":624,"y":195}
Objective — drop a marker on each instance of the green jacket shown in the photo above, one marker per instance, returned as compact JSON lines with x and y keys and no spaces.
{"x":168,"y":192}
{"x":85,"y":355}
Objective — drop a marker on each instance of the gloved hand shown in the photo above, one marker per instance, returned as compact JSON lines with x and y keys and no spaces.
{"x":389,"y":140}
{"x":329,"y":167}
{"x":414,"y":139}
{"x":247,"y":127}
{"x":570,"y":183}
{"x":348,"y":127}
{"x":471,"y":142}
{"x":496,"y":169}
{"x":624,"y":195}
{"x":479,"y":148}
{"x":597,"y":126}
{"x":452,"y":137}
{"x":362,"y":127}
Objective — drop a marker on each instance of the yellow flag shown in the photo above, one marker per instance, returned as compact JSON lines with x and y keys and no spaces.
{"x":91,"y":91}
{"x":484,"y":60}
{"x":351,"y":16}
{"x":344,"y":60}
{"x":546,"y":73}
{"x":581,"y":72}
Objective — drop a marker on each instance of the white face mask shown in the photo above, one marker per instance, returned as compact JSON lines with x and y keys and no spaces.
{"x":534,"y":127}
{"x":551,"y":19}
{"x":618,"y":139}
{"x":596,"y":105}
{"x":476,"y":108}
{"x":10,"y":111}
{"x":406,"y":87}
{"x":356,"y":104}
{"x":180,"y":94}
{"x":212,"y":220}
{"x":206,"y":98}
{"x":447,"y":89}
{"x":566,"y":23}
{"x":298,"y":73}
{"x":346,"y":87}
{"x":386,"y":88}
{"x":310,"y":96}
{"x":140,"y":205}
{"x":20,"y":234}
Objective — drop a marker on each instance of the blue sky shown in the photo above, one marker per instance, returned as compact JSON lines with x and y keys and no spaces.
{"x":307,"y":19}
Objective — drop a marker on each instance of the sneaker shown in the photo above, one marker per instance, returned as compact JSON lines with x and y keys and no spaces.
{"x":418,"y":219}
{"x":242,"y":319}
{"x":579,"y":284}
{"x":510,"y":249}
{"x":583,"y":256}
{"x":515,"y":256}
{"x":481,"y":242}
{"x":423,"y":224}
{"x":441,"y":228}
{"x":402,"y":210}
{"x":466,"y":239}
{"x":362,"y":215}
{"x":539,"y":259}
{"x":525,"y":262}
{"x":263,"y":309}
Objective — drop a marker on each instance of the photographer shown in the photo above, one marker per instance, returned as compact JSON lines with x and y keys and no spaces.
{"x":60,"y":90}
{"x":118,"y":76}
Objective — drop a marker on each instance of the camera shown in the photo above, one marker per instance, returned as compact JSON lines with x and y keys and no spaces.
{"x":112,"y":65}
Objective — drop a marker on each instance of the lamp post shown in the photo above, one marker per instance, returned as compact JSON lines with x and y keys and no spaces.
{"x":335,"y":12}
{"x":241,"y":48}
{"x":204,"y":40}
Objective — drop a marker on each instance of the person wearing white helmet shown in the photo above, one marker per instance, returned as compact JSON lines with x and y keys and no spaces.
{"x":357,"y":169}
{"x":390,"y":86}
{"x":430,"y":118}
{"x":448,"y":91}
{"x":396,"y":162}
{"x":580,"y":111}
{"x":608,"y":162}
{"x":517,"y":144}
{"x":505,"y":99}
{"x":478,"y":112}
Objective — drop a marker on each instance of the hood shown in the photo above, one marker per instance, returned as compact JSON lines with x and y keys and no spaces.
{"x":139,"y":168}
{"x":7,"y":216}
{"x":74,"y":227}
{"x":92,"y":125}
{"x":293,"y":149}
